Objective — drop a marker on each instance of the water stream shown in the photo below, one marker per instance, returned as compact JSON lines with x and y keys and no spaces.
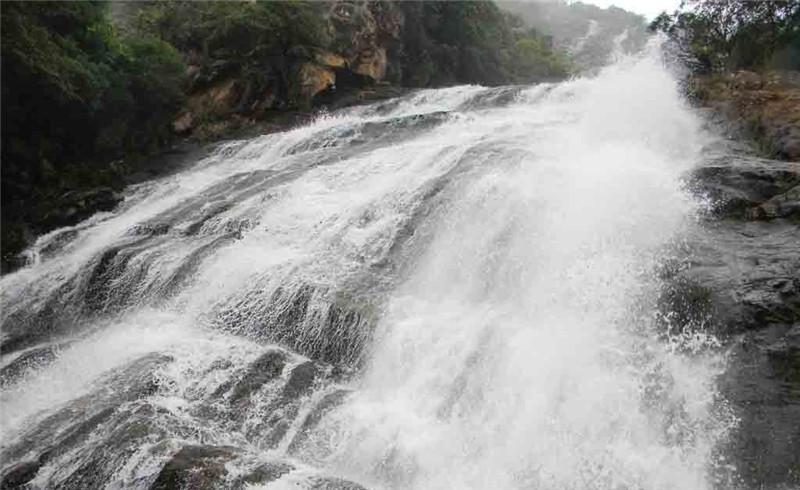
{"x":454,"y":289}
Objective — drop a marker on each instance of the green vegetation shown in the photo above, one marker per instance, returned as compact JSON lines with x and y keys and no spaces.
{"x":716,"y":36}
{"x":473,"y":42}
{"x":259,"y":42}
{"x":75,"y":96}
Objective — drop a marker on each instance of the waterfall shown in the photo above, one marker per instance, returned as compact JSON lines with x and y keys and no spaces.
{"x":457,"y":288}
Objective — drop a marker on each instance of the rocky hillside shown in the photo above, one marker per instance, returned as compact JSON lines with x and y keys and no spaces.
{"x":762,"y":107}
{"x":345,"y":52}
{"x":92,"y":92}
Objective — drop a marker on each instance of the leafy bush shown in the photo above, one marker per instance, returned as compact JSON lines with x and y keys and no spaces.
{"x":535,"y":59}
{"x":75,"y":96}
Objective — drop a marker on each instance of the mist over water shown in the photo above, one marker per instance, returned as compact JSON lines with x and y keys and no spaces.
{"x":454,"y":289}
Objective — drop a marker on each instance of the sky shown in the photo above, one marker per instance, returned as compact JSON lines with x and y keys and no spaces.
{"x":648,"y":8}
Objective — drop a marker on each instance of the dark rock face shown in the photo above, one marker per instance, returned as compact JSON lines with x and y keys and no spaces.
{"x":115,"y":410}
{"x":195,"y":467}
{"x":29,"y":359}
{"x":266,"y":368}
{"x":76,"y":206}
{"x":749,"y":187}
{"x":750,"y":272}
{"x":19,"y":474}
{"x":764,"y":385}
{"x":743,"y":282}
{"x":266,"y":473}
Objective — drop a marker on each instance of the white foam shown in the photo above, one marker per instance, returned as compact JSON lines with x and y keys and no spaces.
{"x":519,"y":351}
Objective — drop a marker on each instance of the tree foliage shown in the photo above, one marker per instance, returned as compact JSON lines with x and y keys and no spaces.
{"x":256,"y":41}
{"x":236,"y":30}
{"x":473,"y":42}
{"x":75,"y":95}
{"x":728,"y":34}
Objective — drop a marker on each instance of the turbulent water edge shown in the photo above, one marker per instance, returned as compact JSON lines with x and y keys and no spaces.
{"x":459,"y":288}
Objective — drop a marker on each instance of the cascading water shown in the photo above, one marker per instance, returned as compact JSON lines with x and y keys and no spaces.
{"x":454,"y":289}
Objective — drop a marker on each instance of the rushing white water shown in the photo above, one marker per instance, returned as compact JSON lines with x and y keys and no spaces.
{"x":480,"y":263}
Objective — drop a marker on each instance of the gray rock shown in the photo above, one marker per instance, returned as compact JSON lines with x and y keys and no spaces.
{"x":19,"y":474}
{"x":267,"y":472}
{"x":196,"y":468}
{"x":750,"y":272}
{"x":264,"y":369}
{"x":736,"y":184}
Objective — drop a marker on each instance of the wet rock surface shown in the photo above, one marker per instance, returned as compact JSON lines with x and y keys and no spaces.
{"x":764,"y":385}
{"x":737,"y":187}
{"x":743,"y":282}
{"x":33,"y":358}
{"x":195,"y":467}
{"x":122,"y":426}
{"x":19,"y":474}
{"x":258,"y":390}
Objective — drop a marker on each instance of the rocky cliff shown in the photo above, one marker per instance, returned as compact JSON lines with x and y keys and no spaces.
{"x":364,"y":51}
{"x":741,"y":281}
{"x":226,"y":95}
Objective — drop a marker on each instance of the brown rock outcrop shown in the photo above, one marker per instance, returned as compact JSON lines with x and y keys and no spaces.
{"x":313,"y":79}
{"x":765,"y":106}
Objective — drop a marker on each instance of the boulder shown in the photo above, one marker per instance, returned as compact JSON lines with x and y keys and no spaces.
{"x":266,"y":472}
{"x":263,"y":370}
{"x":313,"y":79}
{"x":736,"y":185}
{"x":763,"y":386}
